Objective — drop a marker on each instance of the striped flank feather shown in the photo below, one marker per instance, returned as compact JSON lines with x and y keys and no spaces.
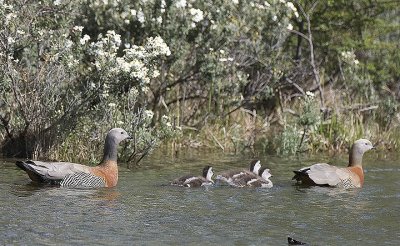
{"x":82,"y":180}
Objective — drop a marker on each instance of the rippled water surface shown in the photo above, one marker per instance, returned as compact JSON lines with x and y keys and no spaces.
{"x":143,"y":210}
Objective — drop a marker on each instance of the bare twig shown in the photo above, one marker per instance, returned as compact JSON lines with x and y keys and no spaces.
{"x":309,"y":38}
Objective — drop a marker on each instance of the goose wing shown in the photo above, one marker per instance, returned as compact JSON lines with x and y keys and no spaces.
{"x":323,"y":173}
{"x":196,"y":182}
{"x":54,"y":170}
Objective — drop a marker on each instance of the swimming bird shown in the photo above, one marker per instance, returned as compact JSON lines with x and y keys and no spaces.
{"x":249,"y":179}
{"x":193,"y":181}
{"x":69,"y":174}
{"x":292,"y":241}
{"x":229,"y":176}
{"x":323,"y":174}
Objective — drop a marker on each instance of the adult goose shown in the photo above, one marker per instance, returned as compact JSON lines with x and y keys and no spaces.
{"x":68,"y":174}
{"x":229,"y":176}
{"x":323,"y":174}
{"x":196,"y":181}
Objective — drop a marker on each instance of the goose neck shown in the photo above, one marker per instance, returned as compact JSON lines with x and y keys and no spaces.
{"x":355,"y":157}
{"x":110,"y":150}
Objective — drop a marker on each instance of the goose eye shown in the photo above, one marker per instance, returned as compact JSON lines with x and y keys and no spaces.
{"x":122,"y":132}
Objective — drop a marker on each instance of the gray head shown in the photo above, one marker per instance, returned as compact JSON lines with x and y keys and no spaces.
{"x":264,"y":173}
{"x":255,"y":165}
{"x":362,"y":145}
{"x":113,"y":138}
{"x":208,"y":173}
{"x":357,"y":151}
{"x":116,"y":135}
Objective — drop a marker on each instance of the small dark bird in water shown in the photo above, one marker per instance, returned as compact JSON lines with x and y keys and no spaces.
{"x":292,"y":241}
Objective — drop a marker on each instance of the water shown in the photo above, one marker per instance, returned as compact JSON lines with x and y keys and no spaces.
{"x":142,"y":210}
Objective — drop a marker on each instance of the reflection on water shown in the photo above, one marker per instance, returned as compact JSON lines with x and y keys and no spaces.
{"x":142,"y":209}
{"x":28,"y":189}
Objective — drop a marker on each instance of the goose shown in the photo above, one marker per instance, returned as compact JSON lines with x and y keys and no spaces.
{"x":229,"y":176}
{"x":323,"y":174}
{"x":66,"y":174}
{"x":193,"y":181}
{"x":248,"y":179}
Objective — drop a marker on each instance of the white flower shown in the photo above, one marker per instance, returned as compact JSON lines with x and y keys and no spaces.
{"x":20,"y":32}
{"x":68,"y":43}
{"x":310,"y":94}
{"x":149,"y":114}
{"x":120,"y":122}
{"x":145,"y":89}
{"x":267,"y":4}
{"x":84,"y":39}
{"x":157,"y":44}
{"x":133,"y":12}
{"x":78,"y":28}
{"x":290,"y":27}
{"x":293,"y":8}
{"x":180,"y":4}
{"x":10,"y":40}
{"x":156,"y":73}
{"x":112,"y":105}
{"x":197,"y":15}
{"x":222,"y":51}
{"x":97,"y":65}
{"x":356,"y":62}
{"x":159,"y":20}
{"x":235,"y":1}
{"x":57,"y":2}
{"x":123,"y":65}
{"x":223,"y":59}
{"x":140,"y":16}
{"x":133,"y":92}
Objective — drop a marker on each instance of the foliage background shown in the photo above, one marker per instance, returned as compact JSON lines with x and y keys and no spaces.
{"x":286,"y":76}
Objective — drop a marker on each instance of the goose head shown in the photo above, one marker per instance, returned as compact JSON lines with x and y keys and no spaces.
{"x":208,"y":173}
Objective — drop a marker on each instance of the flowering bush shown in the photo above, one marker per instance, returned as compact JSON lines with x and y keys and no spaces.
{"x":78,"y":66}
{"x":220,"y":50}
{"x":54,"y":77}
